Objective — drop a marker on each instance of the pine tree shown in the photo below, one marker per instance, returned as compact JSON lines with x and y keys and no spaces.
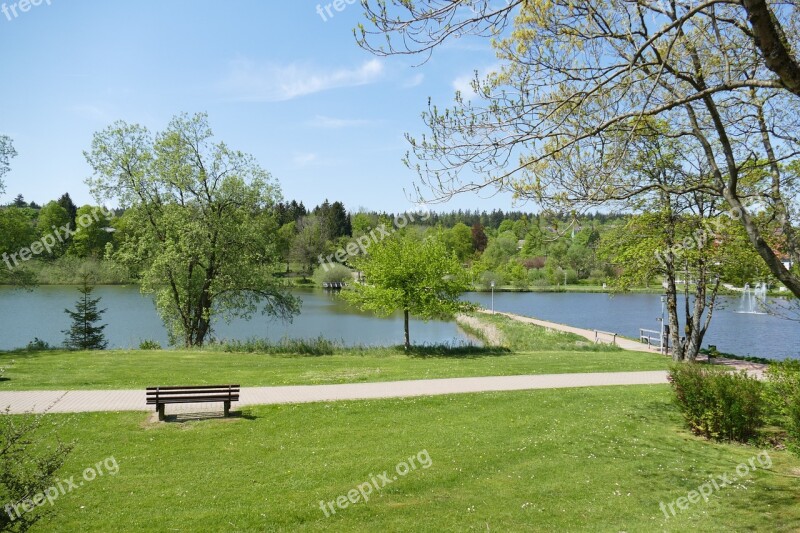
{"x":84,"y":333}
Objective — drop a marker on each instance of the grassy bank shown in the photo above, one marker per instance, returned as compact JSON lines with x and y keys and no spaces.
{"x":562,"y":460}
{"x":530,"y":350}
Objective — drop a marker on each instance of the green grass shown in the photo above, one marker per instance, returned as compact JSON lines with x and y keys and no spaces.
{"x":598,"y":459}
{"x":534,"y":351}
{"x":138,"y":369}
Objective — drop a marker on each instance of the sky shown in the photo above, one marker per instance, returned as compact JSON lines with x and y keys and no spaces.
{"x":278,"y":80}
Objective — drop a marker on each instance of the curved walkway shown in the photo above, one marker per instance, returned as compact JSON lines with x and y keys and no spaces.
{"x":134,"y":400}
{"x":756,"y":369}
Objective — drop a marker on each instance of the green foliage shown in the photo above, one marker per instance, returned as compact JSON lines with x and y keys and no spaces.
{"x":316,"y":347}
{"x":718,"y":404}
{"x":458,"y":240}
{"x":52,"y":218}
{"x":85,"y":334}
{"x":30,"y":457}
{"x":149,"y":345}
{"x":421,"y":279}
{"x":91,"y":237}
{"x":783,"y":396}
{"x":201,"y":228}
{"x":334,"y":273}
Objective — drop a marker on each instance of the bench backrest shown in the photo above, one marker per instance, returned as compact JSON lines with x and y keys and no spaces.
{"x":199,"y":392}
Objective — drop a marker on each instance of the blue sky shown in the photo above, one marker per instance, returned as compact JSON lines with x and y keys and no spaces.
{"x":322,"y":115}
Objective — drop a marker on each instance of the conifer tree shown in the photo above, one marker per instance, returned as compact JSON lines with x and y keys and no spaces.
{"x":85,"y":334}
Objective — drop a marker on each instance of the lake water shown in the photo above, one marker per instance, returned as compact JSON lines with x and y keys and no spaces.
{"x":132,"y":318}
{"x":739,"y":333}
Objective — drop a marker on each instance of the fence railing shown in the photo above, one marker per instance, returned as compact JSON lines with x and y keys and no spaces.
{"x":603,"y":336}
{"x":650,"y":337}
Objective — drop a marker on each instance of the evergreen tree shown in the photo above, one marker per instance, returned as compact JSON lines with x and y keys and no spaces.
{"x":84,"y":333}
{"x":66,"y":202}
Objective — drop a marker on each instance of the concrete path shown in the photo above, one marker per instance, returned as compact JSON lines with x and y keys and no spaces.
{"x":755,"y":369}
{"x":134,"y":400}
{"x":590,"y":334}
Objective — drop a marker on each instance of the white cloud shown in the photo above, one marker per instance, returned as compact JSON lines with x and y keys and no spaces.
{"x":463,"y":84}
{"x":414,"y":81}
{"x":303,"y":159}
{"x":323,"y":122}
{"x":250,"y":81}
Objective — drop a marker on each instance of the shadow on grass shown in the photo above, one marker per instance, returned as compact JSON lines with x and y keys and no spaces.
{"x":183,"y":418}
{"x":456,"y":352}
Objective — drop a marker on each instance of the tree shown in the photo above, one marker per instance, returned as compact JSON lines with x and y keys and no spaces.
{"x":7,"y":152}
{"x":93,"y":234}
{"x":418,"y":278}
{"x":309,"y":243}
{"x":479,"y":239}
{"x":578,"y":79}
{"x":284,"y":239}
{"x":20,"y":202}
{"x":458,"y":239}
{"x":66,"y":202}
{"x":85,"y":334}
{"x":201,"y":223}
{"x":52,"y":218}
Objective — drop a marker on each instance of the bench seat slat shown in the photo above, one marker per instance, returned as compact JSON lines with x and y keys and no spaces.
{"x":192,"y":400}
{"x":197,"y":392}
{"x":192,"y":387}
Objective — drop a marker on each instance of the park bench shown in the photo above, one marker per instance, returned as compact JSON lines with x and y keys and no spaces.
{"x":161,"y":396}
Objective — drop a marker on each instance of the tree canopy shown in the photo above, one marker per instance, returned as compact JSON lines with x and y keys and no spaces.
{"x":200,"y":222}
{"x":579,"y":81}
{"x":421,"y":279}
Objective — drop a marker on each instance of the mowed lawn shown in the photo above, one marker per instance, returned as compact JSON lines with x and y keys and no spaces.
{"x":531,"y":350}
{"x":599,"y":459}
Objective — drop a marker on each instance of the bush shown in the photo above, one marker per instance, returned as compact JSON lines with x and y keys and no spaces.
{"x":149,"y":345}
{"x":718,"y":404}
{"x":29,"y":460}
{"x":37,"y":345}
{"x":783,"y":396}
{"x":487,"y":278}
{"x":333,"y":274}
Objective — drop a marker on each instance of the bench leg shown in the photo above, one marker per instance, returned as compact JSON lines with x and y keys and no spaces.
{"x":161,"y":415}
{"x":227,"y":408}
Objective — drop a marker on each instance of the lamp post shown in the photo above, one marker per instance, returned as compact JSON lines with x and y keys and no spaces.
{"x":492,"y":285}
{"x":663,"y":345}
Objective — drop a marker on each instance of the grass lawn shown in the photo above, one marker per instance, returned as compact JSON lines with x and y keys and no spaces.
{"x":533,"y":350}
{"x":599,"y":459}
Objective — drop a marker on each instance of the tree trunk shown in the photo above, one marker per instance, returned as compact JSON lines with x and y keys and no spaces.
{"x":407,"y":338}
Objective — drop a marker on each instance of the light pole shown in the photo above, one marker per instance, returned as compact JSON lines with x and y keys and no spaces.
{"x":663,"y":345}
{"x":492,"y":285}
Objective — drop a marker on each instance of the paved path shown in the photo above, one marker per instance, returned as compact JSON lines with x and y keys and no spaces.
{"x":590,"y":334}
{"x":755,"y":369}
{"x":134,"y":400}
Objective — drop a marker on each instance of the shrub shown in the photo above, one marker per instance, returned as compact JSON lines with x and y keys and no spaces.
{"x":37,"y":345}
{"x":333,"y":274}
{"x":149,"y":345}
{"x":718,"y":404}
{"x":783,"y":396}
{"x":29,"y":460}
{"x":487,"y":278}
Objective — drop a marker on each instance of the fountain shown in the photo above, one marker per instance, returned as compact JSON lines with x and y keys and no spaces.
{"x":753,"y":301}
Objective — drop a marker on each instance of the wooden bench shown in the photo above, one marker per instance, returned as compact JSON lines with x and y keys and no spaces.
{"x":161,"y":396}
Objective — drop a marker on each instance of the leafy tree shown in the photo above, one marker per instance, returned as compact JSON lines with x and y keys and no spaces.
{"x":85,"y":333}
{"x":479,"y":239}
{"x":284,"y":239}
{"x":52,"y":218}
{"x":500,"y":250}
{"x":202,"y":229}
{"x":362,"y":223}
{"x":458,"y":239}
{"x":6,"y":153}
{"x":579,"y":79}
{"x":309,"y":243}
{"x":92,"y":235}
{"x":418,"y":278}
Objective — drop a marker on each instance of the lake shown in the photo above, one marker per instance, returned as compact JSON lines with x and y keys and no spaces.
{"x":132,"y":318}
